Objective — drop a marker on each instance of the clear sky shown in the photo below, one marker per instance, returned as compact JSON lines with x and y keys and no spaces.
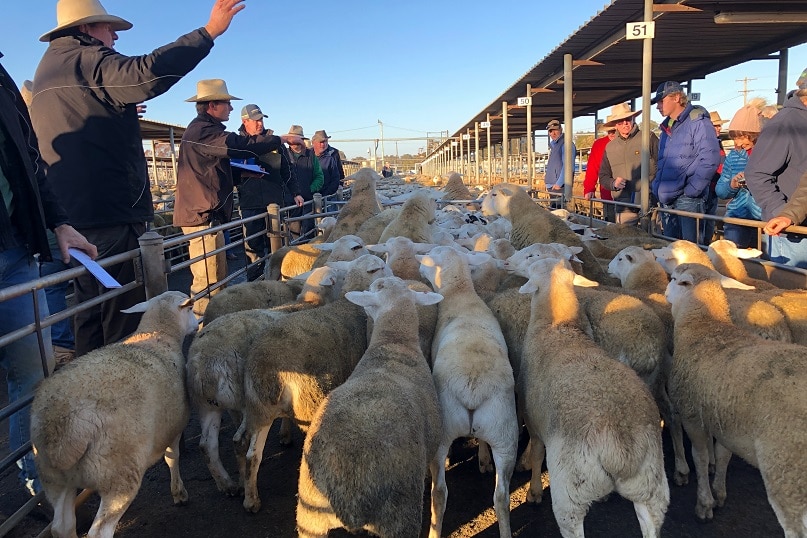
{"x":419,"y":66}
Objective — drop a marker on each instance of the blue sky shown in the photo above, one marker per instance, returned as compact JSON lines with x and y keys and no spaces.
{"x":419,"y":66}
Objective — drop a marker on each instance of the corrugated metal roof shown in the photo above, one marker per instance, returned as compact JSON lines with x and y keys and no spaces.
{"x":688,"y":45}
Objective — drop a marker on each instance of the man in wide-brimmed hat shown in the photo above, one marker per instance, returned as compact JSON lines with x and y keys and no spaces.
{"x":84,"y":110}
{"x":204,"y":195}
{"x":330,"y":162}
{"x":621,"y":166}
{"x":309,"y":177}
{"x":688,"y":159}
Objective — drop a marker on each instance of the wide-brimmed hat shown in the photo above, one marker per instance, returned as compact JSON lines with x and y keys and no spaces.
{"x":211,"y":89}
{"x":717,"y":121}
{"x":297,"y":130}
{"x":71,"y":13}
{"x":619,"y":112}
{"x":320,"y":135}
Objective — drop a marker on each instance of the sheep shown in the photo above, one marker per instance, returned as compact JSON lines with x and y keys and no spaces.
{"x":370,"y":231}
{"x":389,"y":400}
{"x":750,"y":311}
{"x":726,"y":259}
{"x":745,"y":391}
{"x":402,"y":258}
{"x":455,"y":189}
{"x":474,"y":381}
{"x":414,"y":220}
{"x":295,"y":363}
{"x":362,"y":205}
{"x":103,"y":420}
{"x":292,"y":261}
{"x":534,"y":224}
{"x":346,"y":248}
{"x":249,"y":295}
{"x":592,"y":416}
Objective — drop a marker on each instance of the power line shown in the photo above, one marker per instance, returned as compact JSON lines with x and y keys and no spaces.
{"x":745,"y":91}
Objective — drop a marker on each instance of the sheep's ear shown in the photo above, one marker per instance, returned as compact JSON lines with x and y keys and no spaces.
{"x":426,"y":297}
{"x":340,"y":265}
{"x":629,"y":258}
{"x":576,"y":250}
{"x":378,"y":249}
{"x":423,"y":248}
{"x":477,"y":258}
{"x":583,"y":282}
{"x":730,"y":283}
{"x":748,"y":253}
{"x":139,"y":307}
{"x":530,"y":287}
{"x":322,"y":246}
{"x":362,"y":298}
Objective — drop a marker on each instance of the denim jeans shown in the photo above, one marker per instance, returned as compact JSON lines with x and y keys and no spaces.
{"x":788,"y":249}
{"x":21,"y":359}
{"x":708,"y":225}
{"x":687,"y":226}
{"x":742,"y":236}
{"x":61,"y":333}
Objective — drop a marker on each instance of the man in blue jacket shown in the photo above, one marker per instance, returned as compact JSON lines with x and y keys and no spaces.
{"x":689,"y":154}
{"x":555,"y":169}
{"x":775,"y":170}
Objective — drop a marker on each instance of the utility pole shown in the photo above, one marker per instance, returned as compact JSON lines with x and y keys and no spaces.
{"x":383,"y":155}
{"x":745,"y":91}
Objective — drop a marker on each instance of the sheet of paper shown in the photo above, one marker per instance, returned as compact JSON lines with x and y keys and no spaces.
{"x":250,"y":167}
{"x":96,"y":270}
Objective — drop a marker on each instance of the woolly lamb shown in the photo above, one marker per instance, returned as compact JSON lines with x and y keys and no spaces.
{"x":402,"y":255}
{"x":414,"y":220}
{"x":727,"y":260}
{"x":455,"y":189}
{"x":362,"y":205}
{"x":370,"y":231}
{"x":534,"y":224}
{"x":289,"y":262}
{"x":345,"y":249}
{"x":296,"y":362}
{"x":249,"y":295}
{"x":592,"y":416}
{"x":474,"y":381}
{"x":745,"y":391}
{"x":376,"y":433}
{"x":104,"y":419}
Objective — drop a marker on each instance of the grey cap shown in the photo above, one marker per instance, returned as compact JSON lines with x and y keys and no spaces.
{"x":252,"y":112}
{"x":665,"y":89}
{"x":552,"y":125}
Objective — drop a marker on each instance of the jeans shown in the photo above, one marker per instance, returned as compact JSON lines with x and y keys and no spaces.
{"x":62,"y":332}
{"x":742,"y":236}
{"x":21,"y":359}
{"x":679,"y":227}
{"x":707,"y":225}
{"x":257,"y":247}
{"x":788,"y":249}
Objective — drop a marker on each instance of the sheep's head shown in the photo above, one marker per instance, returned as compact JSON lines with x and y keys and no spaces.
{"x":520,"y":262}
{"x":386,"y":294}
{"x":723,"y":248}
{"x":497,"y":201}
{"x":547,"y":272}
{"x":362,"y":271}
{"x":444,"y":264}
{"x":627,"y":260}
{"x":159,"y":311}
{"x":679,"y":252}
{"x":695,"y":280}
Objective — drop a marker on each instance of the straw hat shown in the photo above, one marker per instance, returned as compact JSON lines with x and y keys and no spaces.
{"x":297,"y":130}
{"x":619,"y":112}
{"x":72,"y":13}
{"x":320,"y":135}
{"x":716,"y":121}
{"x":211,"y":89}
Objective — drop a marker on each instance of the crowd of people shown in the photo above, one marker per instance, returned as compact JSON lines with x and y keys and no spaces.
{"x":764,"y":177}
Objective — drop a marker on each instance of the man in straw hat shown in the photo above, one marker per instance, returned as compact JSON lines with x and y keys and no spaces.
{"x":688,"y":158}
{"x":621,"y":167}
{"x":204,"y":195}
{"x":775,"y":171}
{"x":27,"y":209}
{"x":593,"y":169}
{"x":329,"y":160}
{"x":84,"y":110}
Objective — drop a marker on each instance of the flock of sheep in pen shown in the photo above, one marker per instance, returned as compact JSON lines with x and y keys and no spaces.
{"x":520,"y":321}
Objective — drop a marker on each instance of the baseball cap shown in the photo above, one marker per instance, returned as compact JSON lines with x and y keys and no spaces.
{"x":252,"y":112}
{"x":553,"y":125}
{"x":665,"y":89}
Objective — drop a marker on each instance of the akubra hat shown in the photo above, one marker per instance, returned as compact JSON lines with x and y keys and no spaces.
{"x":297,"y":130}
{"x":211,"y":89}
{"x":72,"y":13}
{"x":620,"y":112}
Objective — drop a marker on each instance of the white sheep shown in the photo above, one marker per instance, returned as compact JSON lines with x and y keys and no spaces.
{"x":362,"y":205}
{"x":347,"y":471}
{"x":474,"y":380}
{"x":370,"y":231}
{"x":414,"y":220}
{"x":727,"y":260}
{"x":745,"y":391}
{"x":104,"y":419}
{"x":534,"y":224}
{"x":455,"y":189}
{"x":296,"y":362}
{"x":249,"y":295}
{"x":401,"y":256}
{"x":291,"y":261}
{"x":591,"y":415}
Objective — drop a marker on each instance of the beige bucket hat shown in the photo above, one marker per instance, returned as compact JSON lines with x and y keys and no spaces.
{"x":619,"y":112}
{"x":212,"y":89}
{"x":297,"y":130}
{"x":716,"y":120}
{"x":71,"y":13}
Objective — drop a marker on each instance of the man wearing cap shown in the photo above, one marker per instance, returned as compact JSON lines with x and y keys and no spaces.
{"x":774,"y":173}
{"x":621,"y":167}
{"x":204,"y":195}
{"x":256,"y":191}
{"x":593,"y":170}
{"x":555,"y":170}
{"x":688,"y":158}
{"x":329,"y":161}
{"x":84,"y":111}
{"x":309,"y":176}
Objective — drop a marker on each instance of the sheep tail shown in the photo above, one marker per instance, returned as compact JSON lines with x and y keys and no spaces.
{"x":72,"y":437}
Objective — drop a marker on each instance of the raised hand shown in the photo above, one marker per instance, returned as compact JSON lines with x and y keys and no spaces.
{"x":222,"y":15}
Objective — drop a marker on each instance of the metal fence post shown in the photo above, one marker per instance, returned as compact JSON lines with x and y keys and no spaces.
{"x":152,"y":253}
{"x":275,"y":238}
{"x":317,"y":202}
